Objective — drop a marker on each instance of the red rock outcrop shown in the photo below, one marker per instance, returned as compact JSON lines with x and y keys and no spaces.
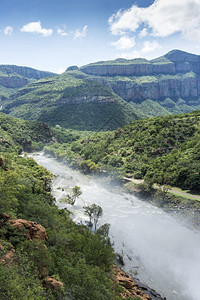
{"x":52,"y":283}
{"x":32,"y":229}
{"x":133,"y":288}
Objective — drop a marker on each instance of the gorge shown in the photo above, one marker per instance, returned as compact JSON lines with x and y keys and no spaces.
{"x":159,"y":249}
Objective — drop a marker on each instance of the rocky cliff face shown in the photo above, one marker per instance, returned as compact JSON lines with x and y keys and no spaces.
{"x":175,"y":75}
{"x":173,"y":62}
{"x":131,"y":69}
{"x":13,"y":77}
{"x":134,"y":288}
{"x":173,"y":87}
{"x":25,"y":71}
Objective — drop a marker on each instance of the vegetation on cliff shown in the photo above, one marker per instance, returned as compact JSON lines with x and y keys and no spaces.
{"x":80,"y":259}
{"x":163,"y":150}
{"x":17,"y":135}
{"x":72,"y":263}
{"x":14,"y":77}
{"x":73,"y":101}
{"x":107,"y":94}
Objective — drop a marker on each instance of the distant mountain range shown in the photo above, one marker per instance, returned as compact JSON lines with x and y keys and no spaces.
{"x":14,"y":77}
{"x":106,"y":94}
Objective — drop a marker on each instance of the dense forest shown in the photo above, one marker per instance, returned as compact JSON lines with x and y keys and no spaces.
{"x":78,"y":261}
{"x":163,"y":150}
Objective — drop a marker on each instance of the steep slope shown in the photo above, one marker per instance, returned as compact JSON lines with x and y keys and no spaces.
{"x":165,"y":150}
{"x":17,"y":135}
{"x":71,"y":100}
{"x":173,"y":80}
{"x":14,"y":77}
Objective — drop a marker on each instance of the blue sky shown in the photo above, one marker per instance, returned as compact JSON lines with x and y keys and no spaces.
{"x":52,"y":35}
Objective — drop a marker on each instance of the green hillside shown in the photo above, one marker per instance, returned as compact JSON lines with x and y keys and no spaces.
{"x":78,"y":261}
{"x":71,"y":100}
{"x":164,"y":150}
{"x":17,"y":135}
{"x":14,"y":77}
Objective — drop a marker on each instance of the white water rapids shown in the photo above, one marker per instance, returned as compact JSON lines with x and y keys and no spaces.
{"x":164,"y":252}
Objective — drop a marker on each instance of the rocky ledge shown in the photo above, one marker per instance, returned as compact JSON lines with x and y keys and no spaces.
{"x":31,"y":231}
{"x":133,"y":287}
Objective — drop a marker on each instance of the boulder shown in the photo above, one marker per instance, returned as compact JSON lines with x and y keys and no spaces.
{"x":32,"y":229}
{"x":133,"y":287}
{"x":52,"y":283}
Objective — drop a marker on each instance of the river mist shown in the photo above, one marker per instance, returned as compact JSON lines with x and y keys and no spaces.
{"x":162,"y":252}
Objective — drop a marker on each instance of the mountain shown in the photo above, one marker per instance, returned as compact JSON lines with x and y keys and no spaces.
{"x":71,"y":100}
{"x":109,"y":94}
{"x":168,"y":84}
{"x":14,"y":77}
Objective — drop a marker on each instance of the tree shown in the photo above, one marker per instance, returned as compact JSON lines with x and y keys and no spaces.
{"x":76,"y":192}
{"x":94,"y":212}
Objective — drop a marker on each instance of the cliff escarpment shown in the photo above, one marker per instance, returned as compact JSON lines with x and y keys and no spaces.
{"x":14,"y":77}
{"x":171,"y":83}
{"x":71,"y":100}
{"x":173,"y":62}
{"x":108,"y":92}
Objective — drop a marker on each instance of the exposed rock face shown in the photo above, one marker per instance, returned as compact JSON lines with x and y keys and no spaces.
{"x":175,"y":75}
{"x":25,"y":71}
{"x":32,"y":229}
{"x":72,"y":68}
{"x":173,"y":62}
{"x":129,"y":69}
{"x":16,"y":77}
{"x":133,"y":287}
{"x":173,"y":88}
{"x":86,"y":99}
{"x":52,"y":283}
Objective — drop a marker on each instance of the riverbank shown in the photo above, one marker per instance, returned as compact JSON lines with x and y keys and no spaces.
{"x":181,"y":206}
{"x":171,"y":190}
{"x":179,"y":203}
{"x":139,"y":231}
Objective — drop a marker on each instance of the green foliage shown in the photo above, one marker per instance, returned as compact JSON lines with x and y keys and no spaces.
{"x":76,"y":192}
{"x":94,"y":212}
{"x":88,"y":166}
{"x":80,"y":259}
{"x":18,"y":135}
{"x":71,"y":100}
{"x":164,"y":150}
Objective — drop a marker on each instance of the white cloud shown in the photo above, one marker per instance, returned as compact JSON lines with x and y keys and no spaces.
{"x":80,"y":33}
{"x":124,"y":43}
{"x":8,"y":30}
{"x":143,"y":33}
{"x":129,"y":55}
{"x":35,"y":27}
{"x":162,"y":17}
{"x":61,"y":32}
{"x":150,"y":46}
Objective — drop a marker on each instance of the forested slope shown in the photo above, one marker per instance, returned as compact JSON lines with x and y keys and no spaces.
{"x":43,"y":253}
{"x":164,"y":150}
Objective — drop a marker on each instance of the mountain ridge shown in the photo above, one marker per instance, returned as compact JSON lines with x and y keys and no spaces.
{"x":104,"y":92}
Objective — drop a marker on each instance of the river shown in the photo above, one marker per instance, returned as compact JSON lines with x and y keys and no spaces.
{"x":164,"y":253}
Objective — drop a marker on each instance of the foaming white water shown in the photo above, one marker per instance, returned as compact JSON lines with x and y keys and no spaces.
{"x":165,"y":253}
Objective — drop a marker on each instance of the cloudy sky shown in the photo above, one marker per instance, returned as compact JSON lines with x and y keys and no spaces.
{"x":54,"y":34}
